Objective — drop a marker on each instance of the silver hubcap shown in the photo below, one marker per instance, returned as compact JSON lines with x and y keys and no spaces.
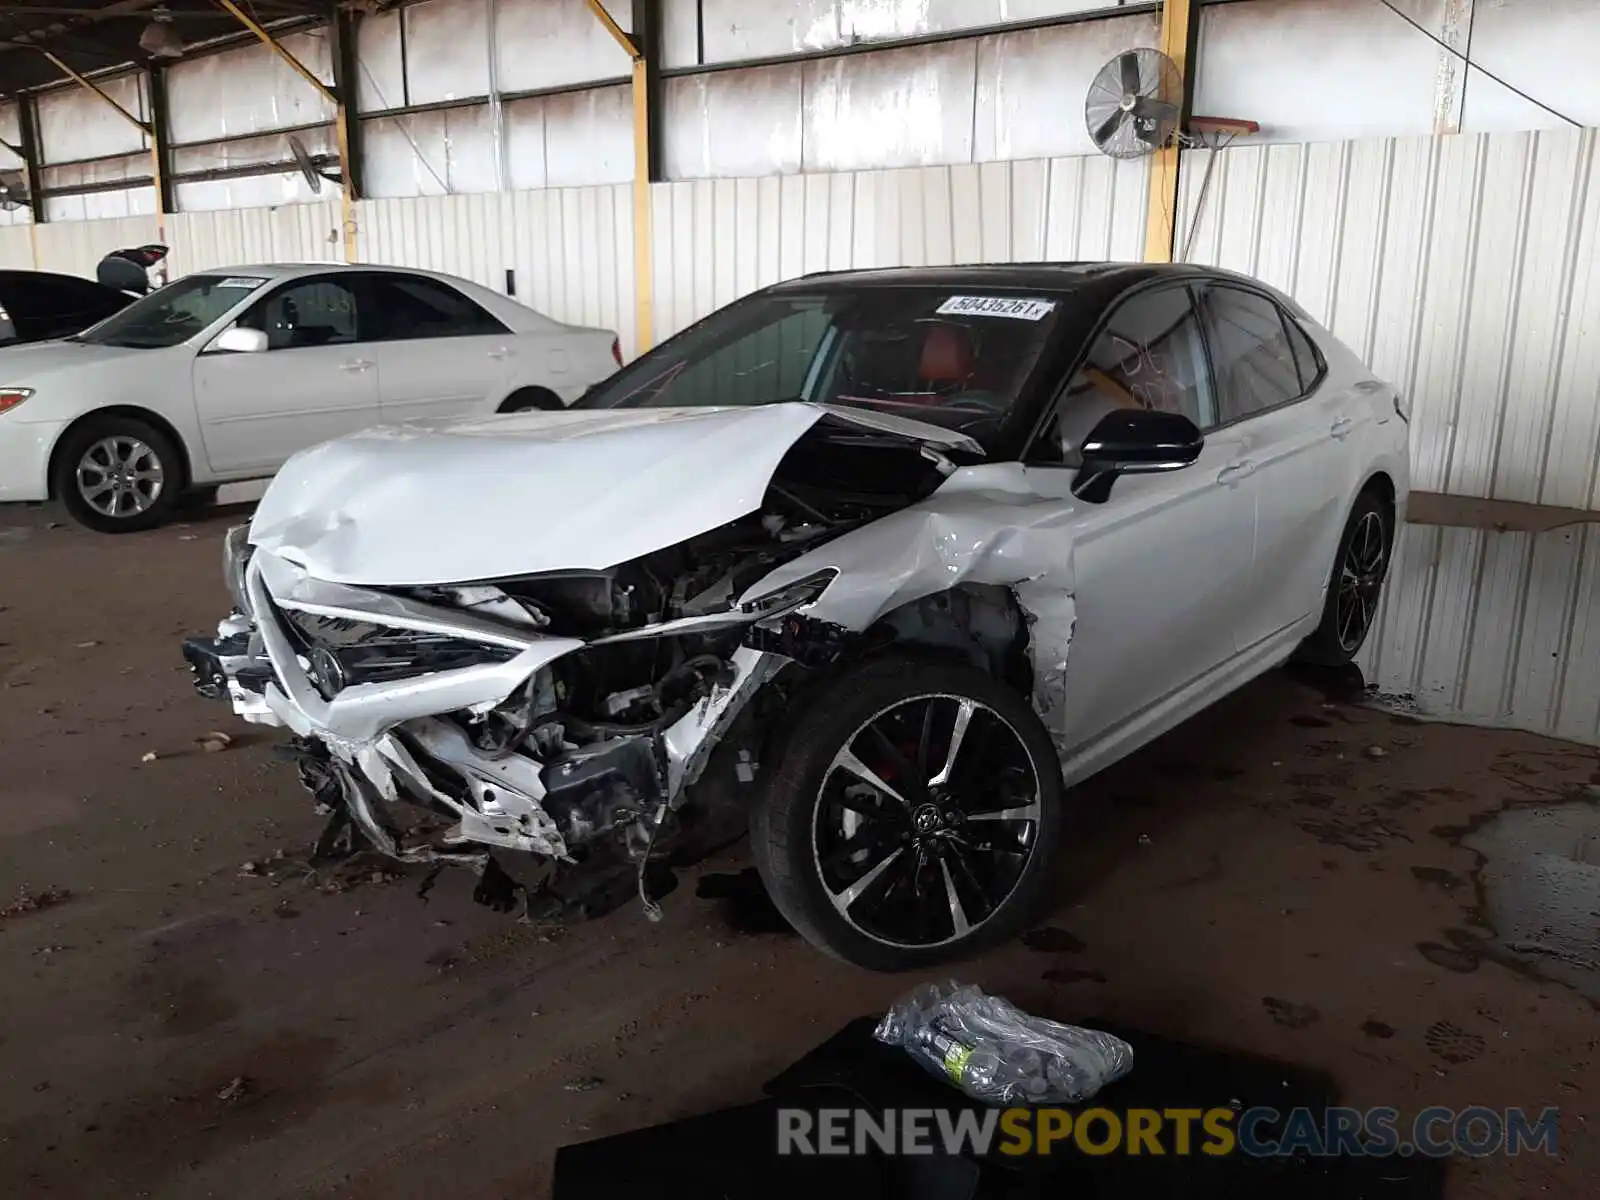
{"x":120,"y":477}
{"x":926,"y":820}
{"x":1361,"y":582}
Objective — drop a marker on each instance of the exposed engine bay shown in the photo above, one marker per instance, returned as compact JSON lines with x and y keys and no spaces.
{"x":567,"y":713}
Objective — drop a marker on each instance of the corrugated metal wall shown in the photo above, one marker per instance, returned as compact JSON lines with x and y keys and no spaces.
{"x":716,"y":240}
{"x":76,"y":247}
{"x":293,"y":233}
{"x":571,"y":248}
{"x":1466,"y":270}
{"x":16,"y":247}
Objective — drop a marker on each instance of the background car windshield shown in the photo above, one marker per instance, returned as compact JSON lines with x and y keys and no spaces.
{"x":937,"y":355}
{"x":174,"y":314}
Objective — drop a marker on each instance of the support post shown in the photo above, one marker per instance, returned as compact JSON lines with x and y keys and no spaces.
{"x":1180,"y":30}
{"x":640,"y":48}
{"x":160,"y":149}
{"x":28,"y":128}
{"x":347,"y":126}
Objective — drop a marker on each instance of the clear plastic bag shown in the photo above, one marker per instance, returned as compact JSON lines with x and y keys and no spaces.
{"x":996,"y":1053}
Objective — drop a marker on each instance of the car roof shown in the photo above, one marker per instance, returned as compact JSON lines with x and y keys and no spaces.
{"x":1091,"y":281}
{"x":273,"y":270}
{"x":291,"y":269}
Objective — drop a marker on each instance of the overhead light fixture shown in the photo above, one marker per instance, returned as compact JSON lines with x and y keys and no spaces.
{"x":160,"y":39}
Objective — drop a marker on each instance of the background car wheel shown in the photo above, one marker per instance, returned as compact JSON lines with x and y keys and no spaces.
{"x":1355,"y":587}
{"x":914,"y":817}
{"x":118,"y":474}
{"x":532,"y":400}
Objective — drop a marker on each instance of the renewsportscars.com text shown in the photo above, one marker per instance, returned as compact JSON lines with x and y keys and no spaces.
{"x":1215,"y":1132}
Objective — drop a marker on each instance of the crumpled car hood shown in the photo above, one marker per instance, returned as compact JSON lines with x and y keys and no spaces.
{"x":434,"y":502}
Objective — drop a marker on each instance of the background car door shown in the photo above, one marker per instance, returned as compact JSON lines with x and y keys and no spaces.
{"x":1160,"y":569}
{"x":439,"y":353}
{"x":1296,"y":446}
{"x":316,"y":380}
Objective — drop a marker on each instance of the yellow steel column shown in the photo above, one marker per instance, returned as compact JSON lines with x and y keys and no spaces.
{"x":1161,"y":213}
{"x":643,"y":244}
{"x":643,"y":241}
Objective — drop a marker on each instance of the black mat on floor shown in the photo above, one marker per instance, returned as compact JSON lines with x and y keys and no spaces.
{"x":732,"y":1154}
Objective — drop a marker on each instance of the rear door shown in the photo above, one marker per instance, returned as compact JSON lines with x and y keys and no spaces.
{"x":439,"y":353}
{"x":317,"y":379}
{"x":1159,"y":568}
{"x":1294,"y":438}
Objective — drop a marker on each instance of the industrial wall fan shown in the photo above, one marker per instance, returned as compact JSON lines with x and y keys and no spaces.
{"x":1134,"y":103}
{"x":14,"y":191}
{"x":314,"y":175}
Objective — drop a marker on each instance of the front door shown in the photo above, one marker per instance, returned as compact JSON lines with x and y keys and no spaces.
{"x":316,"y":380}
{"x":439,"y":354}
{"x":1161,"y":567}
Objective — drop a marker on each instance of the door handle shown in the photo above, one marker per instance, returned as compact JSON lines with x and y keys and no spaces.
{"x":1233,"y":474}
{"x":1341,"y":427}
{"x":502,"y":352}
{"x":355,"y":364}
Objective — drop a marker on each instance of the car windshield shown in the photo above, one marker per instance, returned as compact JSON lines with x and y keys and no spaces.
{"x":934,"y":354}
{"x":172,"y":314}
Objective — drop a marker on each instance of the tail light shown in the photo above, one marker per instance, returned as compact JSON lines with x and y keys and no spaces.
{"x":10,"y":397}
{"x":616,"y":350}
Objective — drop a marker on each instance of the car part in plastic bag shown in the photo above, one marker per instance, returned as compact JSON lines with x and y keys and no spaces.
{"x":998,"y":1054}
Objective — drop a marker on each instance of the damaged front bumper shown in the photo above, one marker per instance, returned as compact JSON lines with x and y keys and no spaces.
{"x":371,"y":743}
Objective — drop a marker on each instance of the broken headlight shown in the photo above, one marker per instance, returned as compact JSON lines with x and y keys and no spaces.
{"x":340,"y":653}
{"x":791,"y":596}
{"x":235,"y":555}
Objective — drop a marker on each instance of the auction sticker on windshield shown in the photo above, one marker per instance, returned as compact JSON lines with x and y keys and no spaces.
{"x":1018,"y":308}
{"x":247,"y":282}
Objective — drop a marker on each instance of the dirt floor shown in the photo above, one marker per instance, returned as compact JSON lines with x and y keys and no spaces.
{"x":1287,"y":875}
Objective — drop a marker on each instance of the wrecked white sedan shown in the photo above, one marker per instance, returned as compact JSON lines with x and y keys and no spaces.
{"x":885,"y":560}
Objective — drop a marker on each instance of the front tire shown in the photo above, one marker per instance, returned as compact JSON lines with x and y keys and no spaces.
{"x":118,"y":474}
{"x":1355,"y":587}
{"x":915,"y":816}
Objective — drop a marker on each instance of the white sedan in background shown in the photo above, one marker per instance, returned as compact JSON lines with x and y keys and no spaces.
{"x":222,"y":375}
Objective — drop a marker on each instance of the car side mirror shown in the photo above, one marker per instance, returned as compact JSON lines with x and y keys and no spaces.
{"x":239,"y":340}
{"x":1134,"y":441}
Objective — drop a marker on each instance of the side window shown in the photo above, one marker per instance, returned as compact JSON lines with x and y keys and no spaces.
{"x":1149,"y":355}
{"x":1251,"y":353}
{"x":320,"y":311}
{"x":414,"y":307}
{"x":1305,"y":354}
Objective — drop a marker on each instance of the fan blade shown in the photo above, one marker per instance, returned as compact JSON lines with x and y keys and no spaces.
{"x":1107,"y":131}
{"x":1155,"y":110}
{"x":1130,"y":74}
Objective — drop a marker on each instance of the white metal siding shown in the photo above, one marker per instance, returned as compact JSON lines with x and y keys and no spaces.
{"x":293,"y":233}
{"x":76,"y":247}
{"x":716,"y":240}
{"x":571,"y":248}
{"x":16,"y":247}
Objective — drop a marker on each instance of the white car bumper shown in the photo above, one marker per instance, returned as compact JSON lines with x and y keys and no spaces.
{"x":25,"y":458}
